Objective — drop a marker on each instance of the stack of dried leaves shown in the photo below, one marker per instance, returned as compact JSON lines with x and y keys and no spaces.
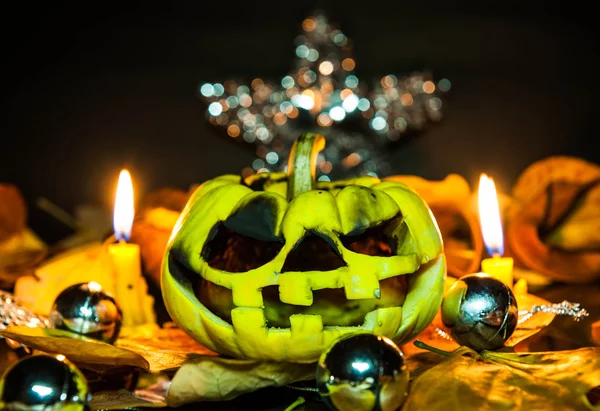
{"x":173,"y":370}
{"x":195,"y":373}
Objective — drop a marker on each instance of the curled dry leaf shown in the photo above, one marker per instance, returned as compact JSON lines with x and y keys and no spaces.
{"x":554,"y":228}
{"x":167,"y":197}
{"x":167,"y":350}
{"x":221,"y":379}
{"x":121,"y":400}
{"x":501,"y":381}
{"x":151,"y":231}
{"x":20,"y":248}
{"x":158,"y":213}
{"x":450,"y":202}
{"x":85,"y":352}
{"x":13,"y":211}
{"x":150,"y":392}
{"x":596,"y":332}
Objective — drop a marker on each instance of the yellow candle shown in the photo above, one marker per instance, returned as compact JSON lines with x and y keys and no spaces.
{"x":491,"y":226}
{"x":499,"y":267}
{"x":131,"y":289}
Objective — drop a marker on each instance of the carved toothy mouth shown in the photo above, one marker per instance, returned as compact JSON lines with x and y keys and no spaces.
{"x":315,"y":253}
{"x":343,"y":297}
{"x":330,"y":305}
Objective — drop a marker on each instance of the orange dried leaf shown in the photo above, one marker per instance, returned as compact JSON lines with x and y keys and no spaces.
{"x":596,"y":332}
{"x":554,"y":224}
{"x":167,"y":350}
{"x":151,"y":232}
{"x":121,"y":400}
{"x":13,"y":211}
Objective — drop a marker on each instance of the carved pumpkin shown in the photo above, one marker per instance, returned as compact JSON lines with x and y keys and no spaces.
{"x":277,"y":266}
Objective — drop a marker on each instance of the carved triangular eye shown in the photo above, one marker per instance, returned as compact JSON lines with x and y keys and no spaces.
{"x":237,"y":253}
{"x":314,"y":252}
{"x":381,"y":240}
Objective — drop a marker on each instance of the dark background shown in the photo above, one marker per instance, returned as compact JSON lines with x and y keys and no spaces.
{"x":91,"y":87}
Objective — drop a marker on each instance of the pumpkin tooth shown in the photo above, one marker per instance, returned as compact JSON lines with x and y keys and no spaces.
{"x":304,"y":326}
{"x":361,"y":286}
{"x":294,"y":288}
{"x":249,"y":324}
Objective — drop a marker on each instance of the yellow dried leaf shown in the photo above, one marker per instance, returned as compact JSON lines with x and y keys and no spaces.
{"x":220,"y":379}
{"x":508,"y":381}
{"x":85,"y":352}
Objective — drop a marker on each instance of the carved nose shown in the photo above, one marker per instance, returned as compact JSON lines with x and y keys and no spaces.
{"x":313,"y":253}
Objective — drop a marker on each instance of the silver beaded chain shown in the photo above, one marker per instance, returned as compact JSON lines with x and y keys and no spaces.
{"x":564,"y":308}
{"x":11,"y":313}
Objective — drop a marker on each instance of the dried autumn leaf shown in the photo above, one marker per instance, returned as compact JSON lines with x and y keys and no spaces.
{"x":19,"y":255}
{"x":449,"y":201}
{"x":151,"y":231}
{"x":596,"y":332}
{"x":502,"y":381}
{"x":85,"y":352}
{"x":554,"y":225}
{"x":85,"y":263}
{"x":13,"y":211}
{"x":535,"y":324}
{"x":167,"y":350}
{"x":221,"y":379}
{"x":121,"y":400}
{"x":167,"y":197}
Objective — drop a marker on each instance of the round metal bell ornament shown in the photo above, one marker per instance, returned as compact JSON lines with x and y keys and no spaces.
{"x":44,"y":382}
{"x":88,"y":310}
{"x":480,"y":311}
{"x":363,"y":372}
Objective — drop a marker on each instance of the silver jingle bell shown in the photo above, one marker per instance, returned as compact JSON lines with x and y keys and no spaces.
{"x":363,"y":372}
{"x":86,"y":309}
{"x":480,"y":311}
{"x":44,"y":382}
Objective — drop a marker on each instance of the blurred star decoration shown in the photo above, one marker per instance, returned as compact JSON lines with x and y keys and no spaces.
{"x":323,"y":94}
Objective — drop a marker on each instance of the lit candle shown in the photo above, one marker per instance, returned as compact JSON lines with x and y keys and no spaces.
{"x":130,"y":286}
{"x":491,"y":227}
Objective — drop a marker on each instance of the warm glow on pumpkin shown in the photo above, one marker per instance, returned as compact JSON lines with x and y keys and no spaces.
{"x":489,"y":216}
{"x":124,"y":209}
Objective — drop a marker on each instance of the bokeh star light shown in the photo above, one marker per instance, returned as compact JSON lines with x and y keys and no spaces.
{"x":323,"y":94}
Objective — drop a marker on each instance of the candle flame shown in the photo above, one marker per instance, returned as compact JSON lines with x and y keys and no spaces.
{"x":489,"y":216}
{"x":124,"y":210}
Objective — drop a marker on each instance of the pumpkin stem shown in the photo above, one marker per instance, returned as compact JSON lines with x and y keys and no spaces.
{"x":302,"y":165}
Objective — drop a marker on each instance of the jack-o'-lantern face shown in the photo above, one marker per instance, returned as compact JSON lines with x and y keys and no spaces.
{"x":277,"y":266}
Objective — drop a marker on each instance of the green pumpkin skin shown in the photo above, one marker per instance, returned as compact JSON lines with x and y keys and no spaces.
{"x":286,"y":209}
